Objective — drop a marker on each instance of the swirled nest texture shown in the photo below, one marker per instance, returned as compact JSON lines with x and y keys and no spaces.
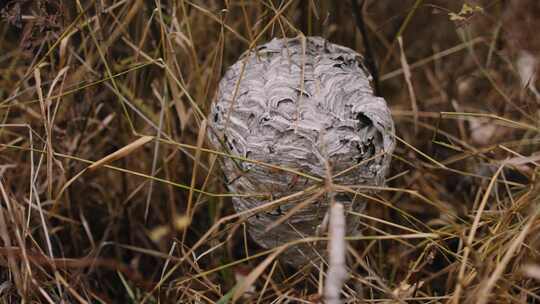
{"x":299,"y":103}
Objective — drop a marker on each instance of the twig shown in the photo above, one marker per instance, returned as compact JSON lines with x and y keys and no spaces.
{"x":337,"y":270}
{"x":369,"y":58}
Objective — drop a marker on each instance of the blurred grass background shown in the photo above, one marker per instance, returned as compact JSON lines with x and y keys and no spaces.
{"x":81,"y":79}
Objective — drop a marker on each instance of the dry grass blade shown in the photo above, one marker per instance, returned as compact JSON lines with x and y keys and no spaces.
{"x":532,"y":271}
{"x":45,"y":115}
{"x":75,"y":294}
{"x":120,"y":153}
{"x":505,"y":121}
{"x":437,"y":56}
{"x":200,"y":142}
{"x":7,"y":242}
{"x":255,"y":274}
{"x":421,"y":153}
{"x":408,"y":79}
{"x":469,"y":241}
{"x":269,"y":277}
{"x":485,"y":291}
{"x":404,"y":236}
{"x":295,"y":209}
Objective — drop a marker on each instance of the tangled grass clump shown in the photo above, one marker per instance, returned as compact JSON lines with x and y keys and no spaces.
{"x":109,"y":191}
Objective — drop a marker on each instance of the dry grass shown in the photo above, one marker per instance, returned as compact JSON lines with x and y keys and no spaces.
{"x":109,"y":193}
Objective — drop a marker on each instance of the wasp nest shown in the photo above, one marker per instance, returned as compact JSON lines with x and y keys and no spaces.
{"x":299,"y":103}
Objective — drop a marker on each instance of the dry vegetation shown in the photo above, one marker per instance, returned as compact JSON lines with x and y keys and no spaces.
{"x":153,"y":223}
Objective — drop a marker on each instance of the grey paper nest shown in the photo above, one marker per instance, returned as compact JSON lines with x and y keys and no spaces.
{"x":299,"y":105}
